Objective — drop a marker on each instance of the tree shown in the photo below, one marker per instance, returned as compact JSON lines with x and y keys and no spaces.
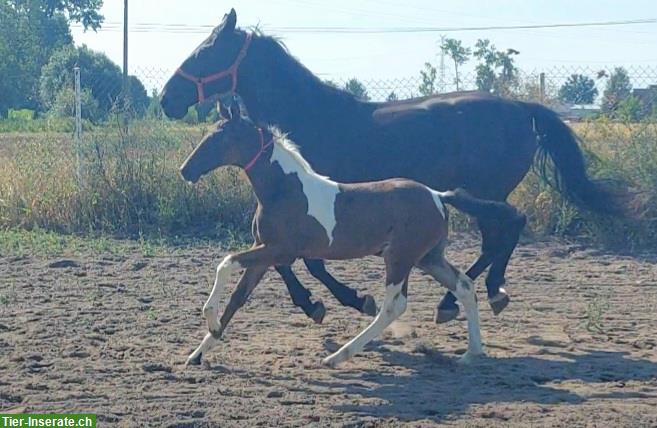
{"x":496,"y":71}
{"x":458,"y":53}
{"x":26,"y":41}
{"x":629,"y":109}
{"x":392,"y":96}
{"x":357,"y":89}
{"x":618,"y":88}
{"x":428,"y":75}
{"x":98,"y":75}
{"x":30,"y":31}
{"x":82,"y":11}
{"x":578,"y":89}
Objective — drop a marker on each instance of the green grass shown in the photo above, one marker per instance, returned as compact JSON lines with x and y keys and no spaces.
{"x":38,"y":242}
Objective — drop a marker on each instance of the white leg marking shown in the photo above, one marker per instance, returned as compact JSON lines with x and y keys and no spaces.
{"x":211,"y":307}
{"x":465,"y":293}
{"x":207,"y":343}
{"x":393,"y":306}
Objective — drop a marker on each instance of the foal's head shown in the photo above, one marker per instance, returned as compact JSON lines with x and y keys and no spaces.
{"x":236,"y":141}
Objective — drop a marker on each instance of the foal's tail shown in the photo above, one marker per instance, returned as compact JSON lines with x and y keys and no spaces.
{"x":483,"y":209}
{"x":558,"y":142}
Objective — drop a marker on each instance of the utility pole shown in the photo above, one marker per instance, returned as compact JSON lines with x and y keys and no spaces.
{"x":125,"y":45}
{"x":441,"y":84}
{"x":125,"y":90}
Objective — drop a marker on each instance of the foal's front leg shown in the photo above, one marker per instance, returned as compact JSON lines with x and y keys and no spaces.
{"x":256,"y":261}
{"x":245,"y":286}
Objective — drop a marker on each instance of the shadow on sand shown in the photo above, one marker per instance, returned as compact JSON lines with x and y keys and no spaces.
{"x":432,"y":386}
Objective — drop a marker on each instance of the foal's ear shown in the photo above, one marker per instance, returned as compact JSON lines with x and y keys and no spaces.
{"x":229,"y":22}
{"x":223,"y":110}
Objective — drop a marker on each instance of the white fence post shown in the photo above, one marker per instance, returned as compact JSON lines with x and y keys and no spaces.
{"x":78,"y":123}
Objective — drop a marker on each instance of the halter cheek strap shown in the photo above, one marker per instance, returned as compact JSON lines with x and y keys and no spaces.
{"x":263,"y":147}
{"x":230,"y":71}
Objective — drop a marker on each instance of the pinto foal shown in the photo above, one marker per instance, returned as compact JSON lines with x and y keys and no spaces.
{"x":303,"y":214}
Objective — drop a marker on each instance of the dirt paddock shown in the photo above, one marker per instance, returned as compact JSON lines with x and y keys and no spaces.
{"x":109,"y":333}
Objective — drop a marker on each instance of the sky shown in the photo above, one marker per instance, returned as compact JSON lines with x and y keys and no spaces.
{"x":154,"y":54}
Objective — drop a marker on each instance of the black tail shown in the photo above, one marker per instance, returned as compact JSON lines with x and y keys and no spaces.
{"x":560,"y":143}
{"x":483,"y":209}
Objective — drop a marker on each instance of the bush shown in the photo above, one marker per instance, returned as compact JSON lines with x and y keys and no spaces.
{"x":23,"y":115}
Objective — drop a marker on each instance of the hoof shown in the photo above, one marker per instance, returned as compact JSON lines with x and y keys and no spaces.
{"x":330,"y":362}
{"x":499,"y":302}
{"x":369,"y":306}
{"x":194,"y":360}
{"x":318,"y":313}
{"x":446,"y":315}
{"x":470,"y":357}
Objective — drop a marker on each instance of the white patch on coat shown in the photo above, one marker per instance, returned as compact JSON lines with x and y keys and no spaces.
{"x":436,"y":199}
{"x":320,"y":191}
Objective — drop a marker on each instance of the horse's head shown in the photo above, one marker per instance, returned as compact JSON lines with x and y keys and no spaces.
{"x":236,"y":141}
{"x":210,"y":70}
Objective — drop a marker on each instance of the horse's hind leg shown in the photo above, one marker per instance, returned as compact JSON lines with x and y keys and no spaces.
{"x":463,"y":287}
{"x":499,"y":239}
{"x":301,"y":295}
{"x":345,"y":295}
{"x":393,"y":307}
{"x":504,"y":238}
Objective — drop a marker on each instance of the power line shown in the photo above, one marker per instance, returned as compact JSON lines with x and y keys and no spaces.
{"x":204,"y":28}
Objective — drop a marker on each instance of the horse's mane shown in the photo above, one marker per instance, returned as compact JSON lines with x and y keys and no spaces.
{"x":285,"y":144}
{"x":297,"y":71}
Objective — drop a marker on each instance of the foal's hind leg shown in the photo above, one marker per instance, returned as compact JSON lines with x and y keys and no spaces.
{"x":393,"y":307}
{"x":499,"y":239}
{"x":435,"y":264}
{"x":345,"y":295}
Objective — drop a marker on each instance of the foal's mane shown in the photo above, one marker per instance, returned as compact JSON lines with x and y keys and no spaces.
{"x":285,"y":144}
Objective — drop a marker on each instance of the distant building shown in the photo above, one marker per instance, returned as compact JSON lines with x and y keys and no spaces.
{"x":577,"y":112}
{"x":647,"y":97}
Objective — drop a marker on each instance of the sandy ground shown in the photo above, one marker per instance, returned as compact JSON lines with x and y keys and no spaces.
{"x":109,"y":334}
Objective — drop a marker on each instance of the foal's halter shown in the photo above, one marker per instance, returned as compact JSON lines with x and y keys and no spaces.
{"x":230,"y":71}
{"x":263,"y":147}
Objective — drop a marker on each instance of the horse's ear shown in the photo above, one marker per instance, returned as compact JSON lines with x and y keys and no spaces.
{"x":229,"y":22}
{"x":235,"y":111}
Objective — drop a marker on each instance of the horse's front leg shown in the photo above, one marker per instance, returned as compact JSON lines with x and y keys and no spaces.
{"x":301,"y":295}
{"x":346,"y":296}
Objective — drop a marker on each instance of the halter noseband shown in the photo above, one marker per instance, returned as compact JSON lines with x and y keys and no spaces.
{"x":263,"y":147}
{"x":230,"y":71}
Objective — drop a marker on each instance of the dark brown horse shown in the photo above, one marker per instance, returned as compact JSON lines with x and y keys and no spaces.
{"x":477,"y":141}
{"x":303,"y":214}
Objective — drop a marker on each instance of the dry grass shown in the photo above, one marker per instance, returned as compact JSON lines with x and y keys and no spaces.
{"x":130,"y":185}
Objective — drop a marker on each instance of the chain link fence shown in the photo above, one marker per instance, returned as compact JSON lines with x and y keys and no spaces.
{"x":117,"y":170}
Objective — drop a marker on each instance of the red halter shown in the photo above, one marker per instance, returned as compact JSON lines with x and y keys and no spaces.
{"x":263,"y":147}
{"x":230,"y":71}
